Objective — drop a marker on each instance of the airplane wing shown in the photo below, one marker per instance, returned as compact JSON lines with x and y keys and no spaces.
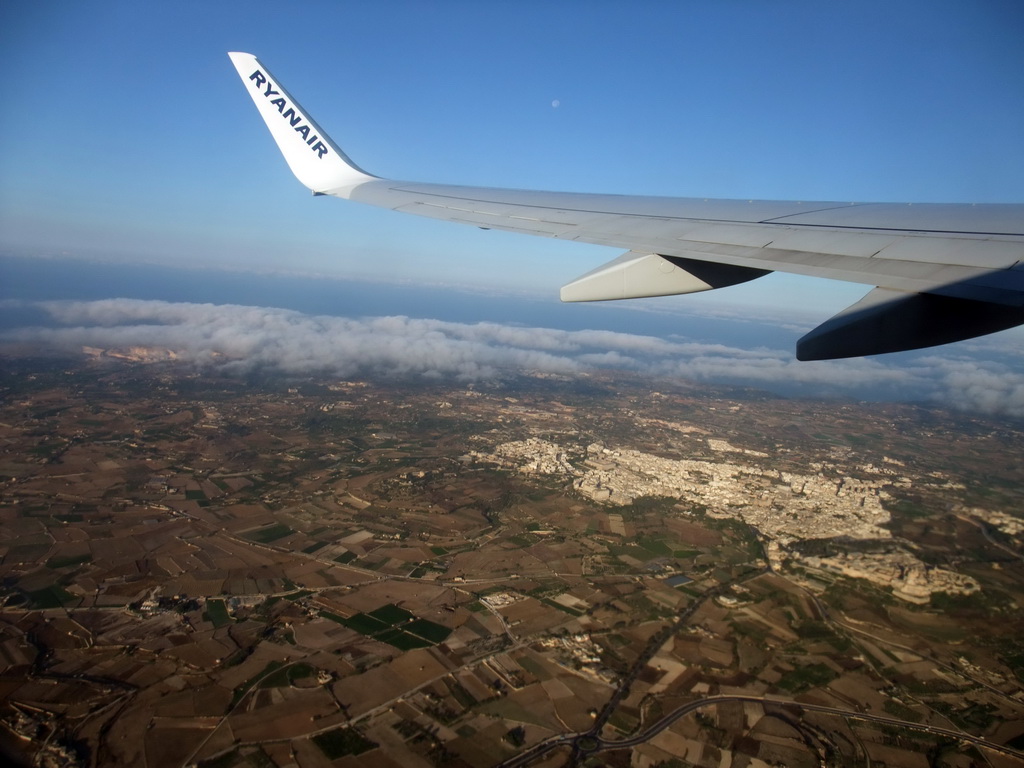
{"x":940,"y":272}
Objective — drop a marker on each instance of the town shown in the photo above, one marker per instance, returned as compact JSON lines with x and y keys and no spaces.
{"x":201,"y":569}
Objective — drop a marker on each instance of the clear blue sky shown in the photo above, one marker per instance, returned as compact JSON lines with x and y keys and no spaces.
{"x":126,"y":134}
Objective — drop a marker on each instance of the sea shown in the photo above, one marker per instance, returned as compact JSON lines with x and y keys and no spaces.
{"x":24,"y":281}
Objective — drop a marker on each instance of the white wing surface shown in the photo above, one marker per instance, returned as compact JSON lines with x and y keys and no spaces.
{"x":941,"y":272}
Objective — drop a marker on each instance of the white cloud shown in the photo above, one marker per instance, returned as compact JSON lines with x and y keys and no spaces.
{"x":240,"y":338}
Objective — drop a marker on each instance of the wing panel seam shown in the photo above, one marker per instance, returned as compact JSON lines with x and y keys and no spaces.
{"x":668,"y":217}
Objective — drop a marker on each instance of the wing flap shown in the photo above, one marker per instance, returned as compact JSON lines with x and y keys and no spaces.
{"x":991,"y":254}
{"x":944,"y":218}
{"x":863,"y":245}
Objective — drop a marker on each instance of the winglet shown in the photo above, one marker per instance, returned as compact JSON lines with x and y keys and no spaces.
{"x":315,"y":160}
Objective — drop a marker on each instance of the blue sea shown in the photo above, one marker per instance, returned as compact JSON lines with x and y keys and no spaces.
{"x":25,"y":280}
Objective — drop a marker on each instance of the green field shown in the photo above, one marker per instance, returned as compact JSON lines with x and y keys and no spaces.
{"x":50,"y":597}
{"x":341,"y":742}
{"x":217,"y":612}
{"x":395,"y":626}
{"x":654,"y":545}
{"x":244,"y":688}
{"x":428,"y":630}
{"x":364,"y":624}
{"x":560,"y":607}
{"x":288,"y":675}
{"x":269,"y":534}
{"x":809,"y":676}
{"x":683,"y":554}
{"x":391,"y":614}
{"x":64,"y":562}
{"x":403,"y":641}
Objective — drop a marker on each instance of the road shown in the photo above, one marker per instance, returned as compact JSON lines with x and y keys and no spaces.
{"x":586,"y":743}
{"x":582,"y":742}
{"x":986,"y":532}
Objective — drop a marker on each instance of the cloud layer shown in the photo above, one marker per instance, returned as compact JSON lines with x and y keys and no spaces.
{"x":240,"y":338}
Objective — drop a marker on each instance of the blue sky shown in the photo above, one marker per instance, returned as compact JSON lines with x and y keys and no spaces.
{"x":126,"y":135}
